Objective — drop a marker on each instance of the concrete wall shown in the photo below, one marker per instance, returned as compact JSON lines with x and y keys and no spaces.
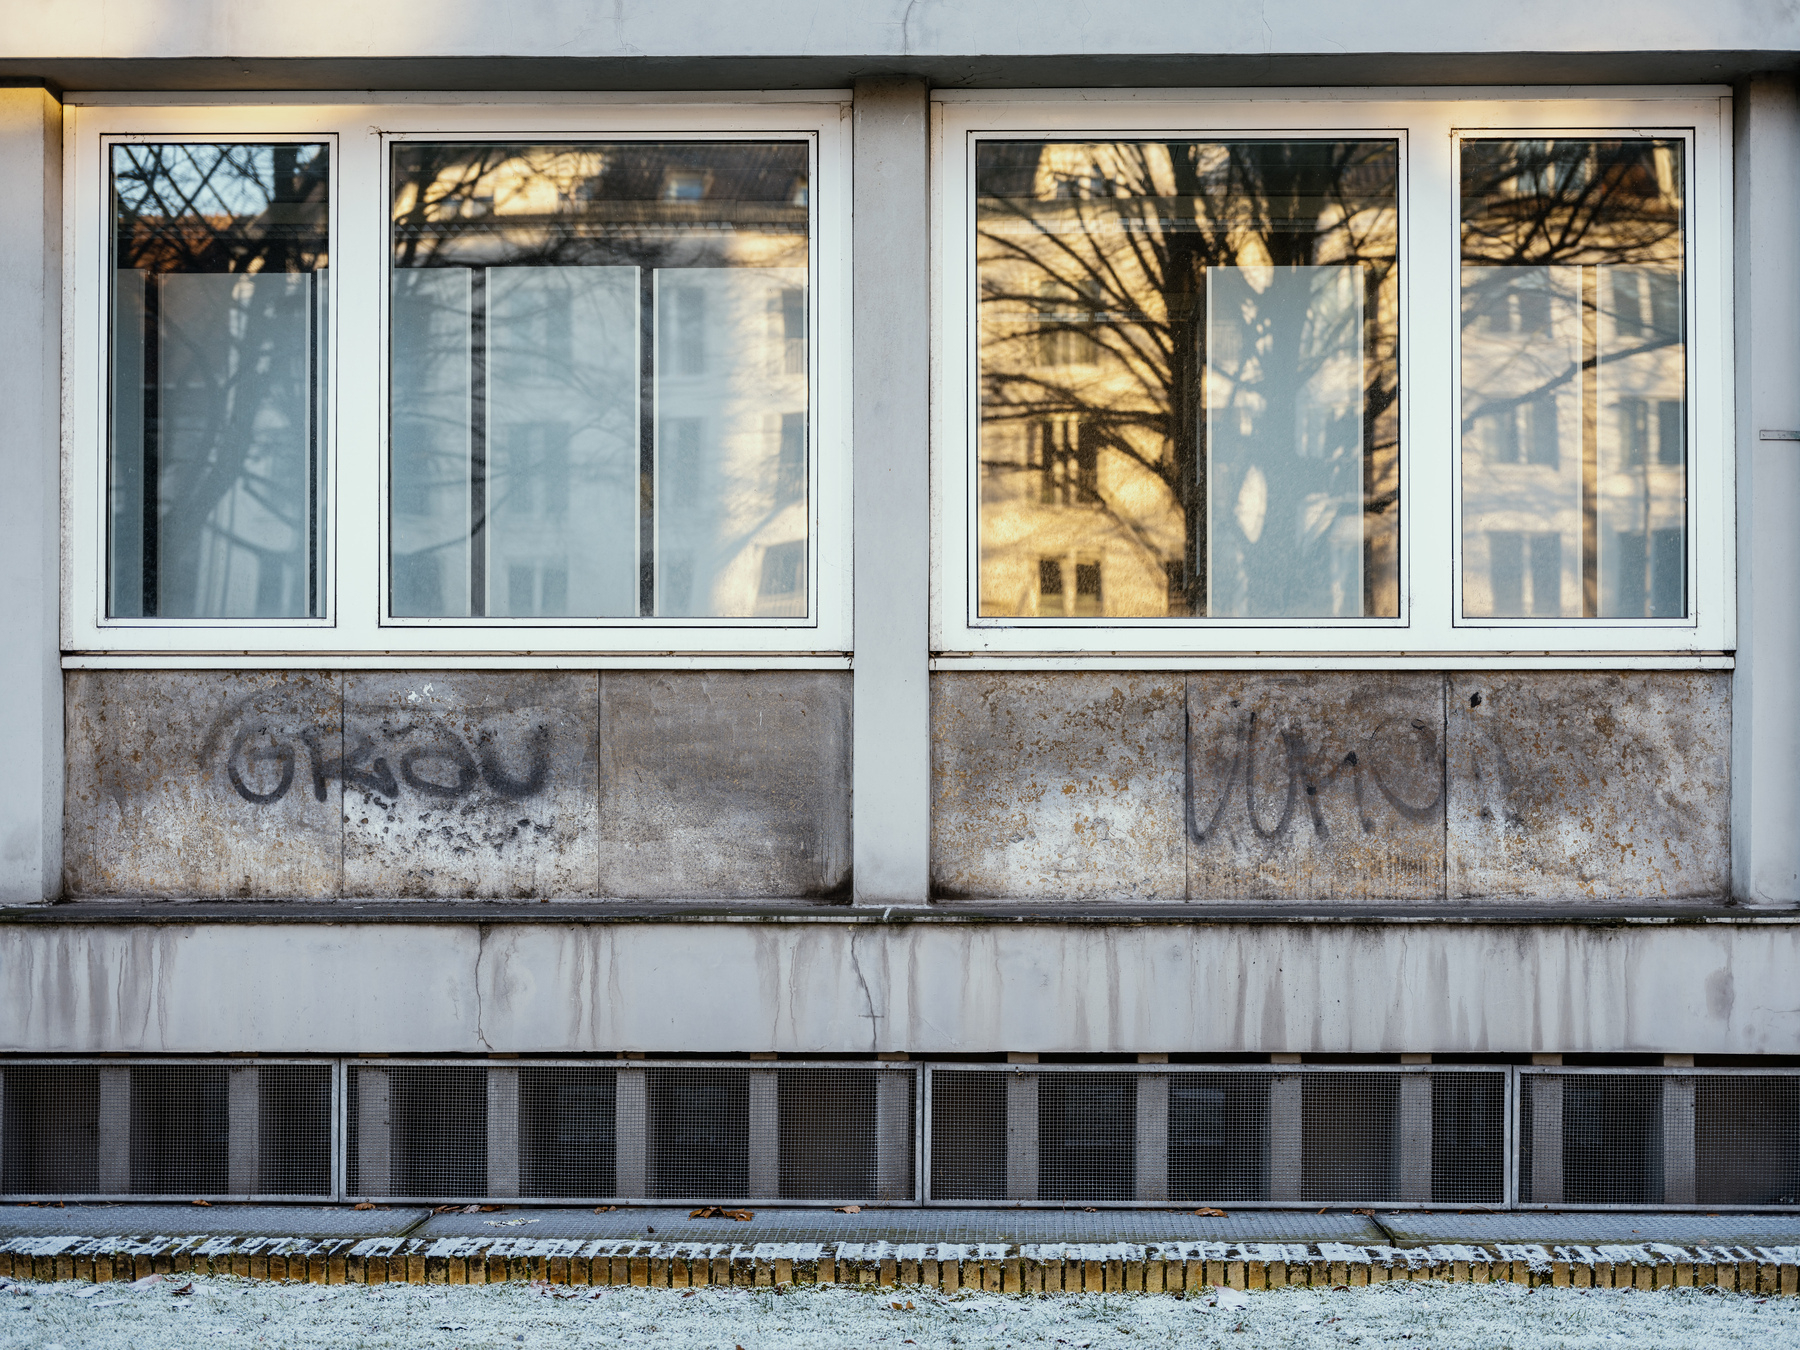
{"x":1335,"y":787}
{"x":848,"y":985}
{"x":448,"y":784}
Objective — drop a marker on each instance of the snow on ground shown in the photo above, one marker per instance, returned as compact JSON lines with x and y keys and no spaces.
{"x":222,"y":1311}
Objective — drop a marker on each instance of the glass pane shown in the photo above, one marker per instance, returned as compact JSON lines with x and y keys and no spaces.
{"x":1189,"y":378}
{"x":216,"y":443}
{"x":599,"y":380}
{"x":1574,"y":376}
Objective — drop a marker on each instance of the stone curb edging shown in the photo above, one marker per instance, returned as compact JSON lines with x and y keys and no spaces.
{"x":1156,"y":1268}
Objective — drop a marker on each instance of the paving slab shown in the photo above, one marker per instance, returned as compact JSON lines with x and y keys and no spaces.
{"x":913,"y":1225}
{"x":189,"y":1220}
{"x":1748,"y":1230}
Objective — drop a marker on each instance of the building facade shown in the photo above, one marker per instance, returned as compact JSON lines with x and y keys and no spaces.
{"x":868,"y":602}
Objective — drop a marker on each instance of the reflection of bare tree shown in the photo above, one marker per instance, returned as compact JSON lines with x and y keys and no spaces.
{"x":1106,"y":247}
{"x":250,"y":210}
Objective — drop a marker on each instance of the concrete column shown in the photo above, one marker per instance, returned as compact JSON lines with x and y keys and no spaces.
{"x":1544,"y":1099}
{"x":765,"y":1134}
{"x":503,"y":1132}
{"x":1021,"y":1135}
{"x":374,"y":1131}
{"x":1678,"y":1141}
{"x":631,"y":1134}
{"x":1413,"y":1137}
{"x":1152,"y":1136}
{"x":31,"y":716}
{"x":894,"y":1132}
{"x":1287,"y":1132}
{"x":112,"y":1171}
{"x":243,"y":1130}
{"x":891,"y":704}
{"x":1765,"y":711}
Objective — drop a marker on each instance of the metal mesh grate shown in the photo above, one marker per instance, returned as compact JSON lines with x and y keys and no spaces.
{"x":247,"y":1128}
{"x":712,"y":1133}
{"x":1052,"y":1134}
{"x":1659,"y":1139}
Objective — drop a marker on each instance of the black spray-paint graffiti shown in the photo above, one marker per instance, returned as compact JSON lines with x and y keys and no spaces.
{"x":1309,"y":773}
{"x":423,"y":753}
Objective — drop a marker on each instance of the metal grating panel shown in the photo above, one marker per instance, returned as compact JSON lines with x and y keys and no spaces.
{"x":193,"y":1129}
{"x":1659,"y":1139}
{"x":712,"y":1133}
{"x":1150,"y":1134}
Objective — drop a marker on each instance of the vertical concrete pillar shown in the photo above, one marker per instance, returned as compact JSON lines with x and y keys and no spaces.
{"x":765,"y":1133}
{"x":1678,"y":1141}
{"x":243,"y":1105}
{"x":891,"y":704}
{"x":631,"y":1134}
{"x":1545,"y":1103}
{"x":894,"y":1132}
{"x":31,"y":717}
{"x":112,"y":1172}
{"x":1287,"y":1133}
{"x":1765,"y":709}
{"x":503,"y":1132}
{"x":1412,"y":1137}
{"x":374,"y":1131}
{"x":1021,"y":1135}
{"x":1152,"y":1136}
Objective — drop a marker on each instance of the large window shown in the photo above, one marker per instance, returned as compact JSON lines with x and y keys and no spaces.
{"x":413,"y":380}
{"x":1361,"y":378}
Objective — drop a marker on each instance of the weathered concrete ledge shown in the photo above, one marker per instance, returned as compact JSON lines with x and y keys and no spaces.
{"x":1034,"y":1268}
{"x":857,"y":988}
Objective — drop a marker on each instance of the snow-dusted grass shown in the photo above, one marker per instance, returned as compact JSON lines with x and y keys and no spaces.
{"x":222,"y":1311}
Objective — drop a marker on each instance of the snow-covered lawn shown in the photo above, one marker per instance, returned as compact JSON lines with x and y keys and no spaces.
{"x":204,"y":1313}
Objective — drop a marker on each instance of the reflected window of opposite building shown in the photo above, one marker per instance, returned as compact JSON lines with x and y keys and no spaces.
{"x":599,"y":380}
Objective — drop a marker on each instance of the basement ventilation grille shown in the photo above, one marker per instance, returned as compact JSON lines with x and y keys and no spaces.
{"x":1655,"y":1139}
{"x":580,"y":1132}
{"x":243,"y":1129}
{"x":1305,"y":1135}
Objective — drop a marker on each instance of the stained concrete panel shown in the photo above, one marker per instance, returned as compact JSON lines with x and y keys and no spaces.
{"x":1062,"y":785}
{"x":927,"y":983}
{"x":725,"y":784}
{"x":1589,"y":786}
{"x":1309,"y":786}
{"x":471,"y":784}
{"x":185,"y":783}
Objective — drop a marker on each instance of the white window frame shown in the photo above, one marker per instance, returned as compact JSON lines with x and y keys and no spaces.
{"x":356,"y":630}
{"x":1430,"y":631}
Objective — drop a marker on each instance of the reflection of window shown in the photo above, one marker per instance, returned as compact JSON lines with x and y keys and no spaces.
{"x":684,"y":185}
{"x":1050,"y":586}
{"x":781,"y":588}
{"x":1525,"y":571}
{"x":790,"y":473}
{"x":1087,"y":587}
{"x":1067,"y":456}
{"x":1651,"y":570}
{"x":1523,"y":434}
{"x":689,"y":346}
{"x":793,"y":331}
{"x":1065,"y":334}
{"x":1650,"y":431}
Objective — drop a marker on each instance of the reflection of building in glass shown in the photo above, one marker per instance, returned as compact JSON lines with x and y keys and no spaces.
{"x":216,"y":458}
{"x":1188,"y":378}
{"x":1574,"y":380}
{"x":599,"y":380}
